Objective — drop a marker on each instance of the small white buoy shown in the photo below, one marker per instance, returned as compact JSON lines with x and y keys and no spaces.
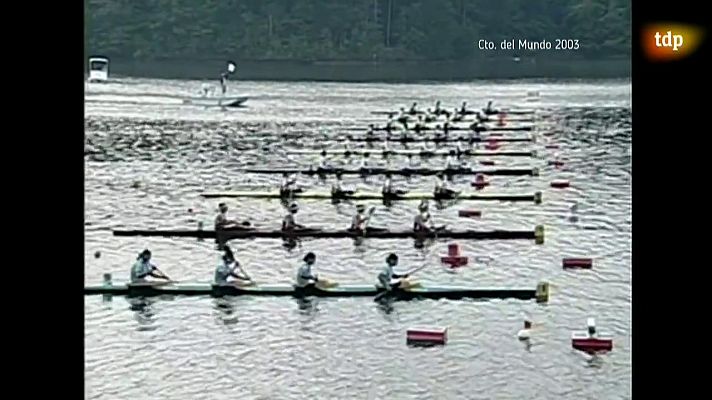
{"x":525,"y":333}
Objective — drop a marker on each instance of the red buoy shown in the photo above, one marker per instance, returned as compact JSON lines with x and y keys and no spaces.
{"x":556,"y":163}
{"x":590,"y":340}
{"x":492,"y":145}
{"x":560,"y":184}
{"x":480,"y":181}
{"x":582,"y":263}
{"x":453,"y":258}
{"x":487,"y":162}
{"x":552,"y":146}
{"x":469,"y":213}
{"x":426,"y":336}
{"x":581,"y":341}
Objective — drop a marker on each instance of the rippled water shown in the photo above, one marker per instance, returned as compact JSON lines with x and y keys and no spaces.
{"x":148,"y":157}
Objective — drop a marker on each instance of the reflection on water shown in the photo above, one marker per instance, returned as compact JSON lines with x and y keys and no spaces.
{"x":144,"y":312}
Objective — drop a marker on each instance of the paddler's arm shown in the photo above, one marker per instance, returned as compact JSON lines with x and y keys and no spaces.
{"x":156,"y":273}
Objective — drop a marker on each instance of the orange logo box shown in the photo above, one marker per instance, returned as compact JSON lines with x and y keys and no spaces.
{"x":671,"y":41}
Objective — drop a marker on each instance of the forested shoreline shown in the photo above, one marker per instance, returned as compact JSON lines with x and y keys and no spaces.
{"x":350,"y":30}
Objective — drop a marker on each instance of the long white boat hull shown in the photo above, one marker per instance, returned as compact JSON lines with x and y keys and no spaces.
{"x":234,"y":101}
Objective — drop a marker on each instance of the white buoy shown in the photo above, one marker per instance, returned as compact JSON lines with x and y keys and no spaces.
{"x":525,"y":333}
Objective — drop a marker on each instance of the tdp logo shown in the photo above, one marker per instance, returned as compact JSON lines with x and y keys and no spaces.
{"x":668,"y":40}
{"x":671,"y":41}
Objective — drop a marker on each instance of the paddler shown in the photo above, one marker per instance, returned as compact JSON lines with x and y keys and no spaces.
{"x":323,"y":162}
{"x":402,"y":116}
{"x":420,"y":126}
{"x":451,"y":162}
{"x":337,"y":189}
{"x":359,"y":221}
{"x":305,"y":277}
{"x":413,"y":109}
{"x":437,"y":110}
{"x":364,"y":161}
{"x":289,"y":223}
{"x":388,"y":278}
{"x":463,"y":109}
{"x":388,"y":190}
{"x":442,"y":191}
{"x":230,"y":268}
{"x":489,"y":109}
{"x":223,"y":222}
{"x":371,"y":131}
{"x":422,"y":221}
{"x":288,"y":185}
{"x":143,"y":268}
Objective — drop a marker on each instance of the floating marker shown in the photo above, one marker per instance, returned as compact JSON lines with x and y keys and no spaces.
{"x":480,"y":181}
{"x":492,"y":145}
{"x":469,"y":213}
{"x":591,"y":342}
{"x":560,"y":184}
{"x":426,"y":336}
{"x":581,"y":263}
{"x":487,"y":162}
{"x":552,"y":146}
{"x":556,"y":163}
{"x":496,"y":134}
{"x":97,"y":254}
{"x":454,"y":259}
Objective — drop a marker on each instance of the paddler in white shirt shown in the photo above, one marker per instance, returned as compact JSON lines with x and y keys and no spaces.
{"x":451,"y":162}
{"x":223,"y":222}
{"x":388,"y":278}
{"x":337,"y":190}
{"x":422,"y":221}
{"x":305,"y":277}
{"x":323,"y":162}
{"x":359,"y":221}
{"x":288,"y":185}
{"x":143,"y":268}
{"x":363,"y":164}
{"x":230,"y":268}
{"x":388,"y":190}
{"x":442,"y":191}
{"x":289,"y":222}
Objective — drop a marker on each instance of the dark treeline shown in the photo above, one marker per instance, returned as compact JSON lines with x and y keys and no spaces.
{"x":349,"y":29}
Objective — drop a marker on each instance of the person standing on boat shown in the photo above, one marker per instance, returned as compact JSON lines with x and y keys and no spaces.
{"x":305,"y":277}
{"x":143,"y":268}
{"x":388,"y":278}
{"x":230,"y":268}
{"x":223,"y":222}
{"x":289,"y":223}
